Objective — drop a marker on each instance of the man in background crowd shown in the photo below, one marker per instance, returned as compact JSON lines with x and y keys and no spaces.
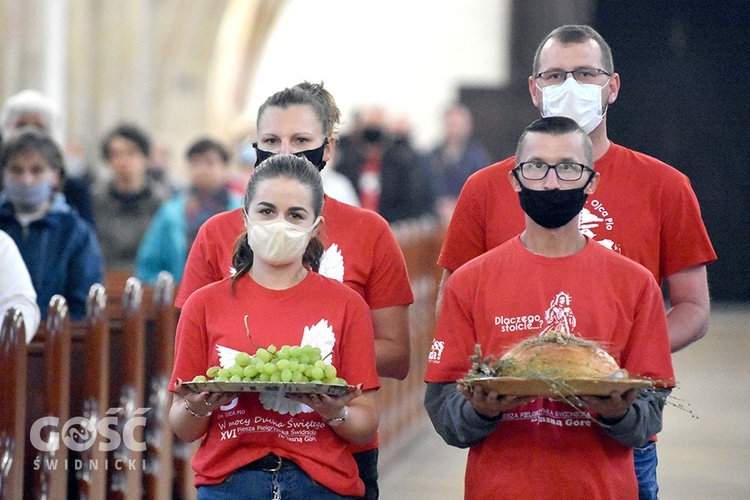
{"x":125,"y":204}
{"x":456,"y":157}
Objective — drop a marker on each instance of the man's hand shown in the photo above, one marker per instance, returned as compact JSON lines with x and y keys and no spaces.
{"x":612,"y":407}
{"x":491,"y":404}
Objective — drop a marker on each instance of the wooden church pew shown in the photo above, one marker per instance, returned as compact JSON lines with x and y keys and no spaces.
{"x":127,"y":380}
{"x":48,"y":405}
{"x":160,"y":329}
{"x":13,"y":416}
{"x":90,"y":390}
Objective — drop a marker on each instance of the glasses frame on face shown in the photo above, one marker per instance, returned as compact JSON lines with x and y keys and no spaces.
{"x":548,"y":167}
{"x":581,"y":75}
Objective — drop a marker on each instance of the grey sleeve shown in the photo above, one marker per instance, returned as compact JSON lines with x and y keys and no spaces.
{"x":453,"y":417}
{"x":642,"y":421}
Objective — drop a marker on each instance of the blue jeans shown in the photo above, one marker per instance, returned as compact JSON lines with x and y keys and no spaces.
{"x":289,"y":483}
{"x":367,"y":461}
{"x":645,"y":470}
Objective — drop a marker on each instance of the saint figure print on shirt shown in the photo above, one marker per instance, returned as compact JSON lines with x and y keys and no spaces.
{"x":559,"y":317}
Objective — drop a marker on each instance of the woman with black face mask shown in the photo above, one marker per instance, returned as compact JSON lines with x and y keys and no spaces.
{"x":360,"y":248}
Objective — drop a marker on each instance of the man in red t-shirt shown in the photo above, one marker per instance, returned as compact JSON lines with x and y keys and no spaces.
{"x":551,"y":277}
{"x":643,"y":208}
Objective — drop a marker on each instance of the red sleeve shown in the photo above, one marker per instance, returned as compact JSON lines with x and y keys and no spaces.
{"x":487,"y":214}
{"x":388,"y":282}
{"x":356,"y":359}
{"x":455,"y":335}
{"x":647,"y":352}
{"x":197,"y":271}
{"x":685,"y":241}
{"x":210,"y":256}
{"x":191,"y":345}
{"x":464,"y":238}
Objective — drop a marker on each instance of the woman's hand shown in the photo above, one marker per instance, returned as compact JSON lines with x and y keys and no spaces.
{"x":326,"y":406}
{"x":361,"y":423}
{"x":201,"y":403}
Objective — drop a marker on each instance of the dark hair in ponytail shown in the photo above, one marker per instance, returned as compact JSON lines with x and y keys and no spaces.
{"x":291,"y":167}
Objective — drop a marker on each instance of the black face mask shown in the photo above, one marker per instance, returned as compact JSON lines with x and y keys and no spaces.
{"x":552,"y":208}
{"x":315,"y":156}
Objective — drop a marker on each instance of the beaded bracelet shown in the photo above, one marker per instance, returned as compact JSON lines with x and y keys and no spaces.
{"x":190,"y":410}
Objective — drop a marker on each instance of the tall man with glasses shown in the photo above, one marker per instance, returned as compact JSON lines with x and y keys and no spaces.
{"x":549,"y":278}
{"x":643,"y":208}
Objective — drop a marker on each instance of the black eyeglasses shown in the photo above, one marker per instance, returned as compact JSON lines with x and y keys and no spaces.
{"x":582,"y":75}
{"x":566,"y":171}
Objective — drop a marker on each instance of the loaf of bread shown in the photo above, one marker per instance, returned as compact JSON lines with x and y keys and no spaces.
{"x":559,"y":356}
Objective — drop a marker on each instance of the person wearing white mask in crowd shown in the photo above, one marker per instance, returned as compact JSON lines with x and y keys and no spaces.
{"x":277,"y":297}
{"x":16,"y":289}
{"x":643,"y":208}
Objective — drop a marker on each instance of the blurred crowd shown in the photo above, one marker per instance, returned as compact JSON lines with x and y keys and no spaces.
{"x":127,"y":202}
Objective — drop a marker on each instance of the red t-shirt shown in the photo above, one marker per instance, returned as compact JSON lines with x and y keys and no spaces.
{"x":213,"y":320}
{"x":361,"y":251}
{"x":642,"y":208}
{"x":509,"y":294}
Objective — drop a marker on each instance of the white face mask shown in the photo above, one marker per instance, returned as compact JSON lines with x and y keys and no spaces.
{"x":278,"y":242}
{"x":581,"y":102}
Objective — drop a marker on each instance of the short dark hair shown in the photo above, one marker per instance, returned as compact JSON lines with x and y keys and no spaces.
{"x":576,"y":33}
{"x":131,"y":132}
{"x":558,"y":125}
{"x":31,"y":139}
{"x":204,"y":145}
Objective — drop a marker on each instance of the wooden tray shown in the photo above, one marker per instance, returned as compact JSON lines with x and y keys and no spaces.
{"x":515,"y":386}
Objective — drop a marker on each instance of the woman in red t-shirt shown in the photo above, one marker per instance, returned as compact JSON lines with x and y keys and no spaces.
{"x":264,"y":445}
{"x":361,"y":251}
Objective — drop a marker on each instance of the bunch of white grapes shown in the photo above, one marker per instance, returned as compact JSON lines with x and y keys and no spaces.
{"x":287,"y":364}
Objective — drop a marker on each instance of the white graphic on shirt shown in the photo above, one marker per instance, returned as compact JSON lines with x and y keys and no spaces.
{"x":319,"y":335}
{"x":332,"y":263}
{"x":559,"y":316}
{"x":591,"y":223}
{"x":436,"y":351}
{"x":519,"y":323}
{"x":552,"y":416}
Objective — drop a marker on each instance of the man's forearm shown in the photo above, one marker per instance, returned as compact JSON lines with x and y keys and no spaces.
{"x":690,"y":306}
{"x":687,"y":323}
